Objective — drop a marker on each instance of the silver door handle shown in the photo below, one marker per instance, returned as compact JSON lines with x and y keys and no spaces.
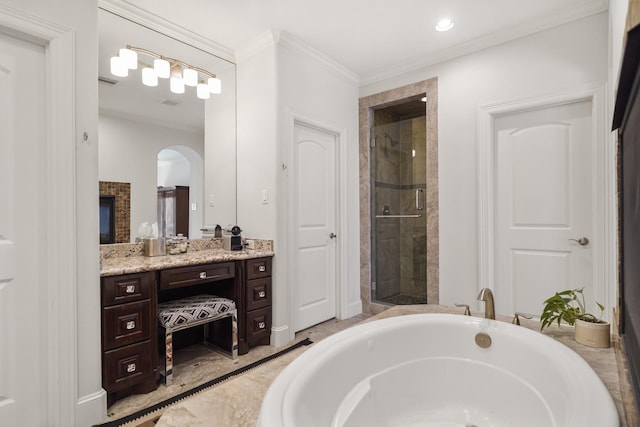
{"x":419,"y":199}
{"x":333,"y":236}
{"x":583,"y":241}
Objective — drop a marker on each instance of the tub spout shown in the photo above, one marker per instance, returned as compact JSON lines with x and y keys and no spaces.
{"x":489,"y":309}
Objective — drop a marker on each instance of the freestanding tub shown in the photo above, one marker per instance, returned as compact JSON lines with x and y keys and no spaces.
{"x":427,"y":370}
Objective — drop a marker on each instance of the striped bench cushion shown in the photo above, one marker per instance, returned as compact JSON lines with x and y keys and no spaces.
{"x":191,"y":309}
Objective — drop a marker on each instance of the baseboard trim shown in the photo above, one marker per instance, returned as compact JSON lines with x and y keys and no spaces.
{"x":91,"y":409}
{"x":353,"y":309}
{"x":281,"y":335}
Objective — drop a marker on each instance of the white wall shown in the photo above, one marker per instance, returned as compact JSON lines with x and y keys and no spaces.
{"x":81,"y":17}
{"x":279,"y":77}
{"x":544,"y":63}
{"x":220,"y":154}
{"x":129,"y":153}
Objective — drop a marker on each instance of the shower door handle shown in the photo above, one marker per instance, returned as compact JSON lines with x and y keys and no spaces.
{"x":419,"y":199}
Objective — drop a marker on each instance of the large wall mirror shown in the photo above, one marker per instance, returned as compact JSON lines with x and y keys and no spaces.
{"x":153,"y":139}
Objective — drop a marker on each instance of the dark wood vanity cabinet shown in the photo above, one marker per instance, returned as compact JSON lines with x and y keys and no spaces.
{"x":257,"y":301}
{"x":129,"y":359}
{"x":129,"y":315}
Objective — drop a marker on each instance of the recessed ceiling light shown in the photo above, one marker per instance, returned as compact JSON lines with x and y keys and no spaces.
{"x":444,"y":24}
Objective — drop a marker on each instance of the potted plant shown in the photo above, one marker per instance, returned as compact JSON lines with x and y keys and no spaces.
{"x":569,"y":306}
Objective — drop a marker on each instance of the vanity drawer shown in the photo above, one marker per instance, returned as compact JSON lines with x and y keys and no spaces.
{"x":189,"y":276}
{"x":127,"y":366}
{"x":259,"y":267}
{"x":125,"y":324}
{"x":127,"y":288}
{"x":258,"y":293}
{"x":258,"y":325}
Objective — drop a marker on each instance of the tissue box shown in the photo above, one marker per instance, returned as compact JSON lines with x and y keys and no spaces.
{"x":154,"y":246}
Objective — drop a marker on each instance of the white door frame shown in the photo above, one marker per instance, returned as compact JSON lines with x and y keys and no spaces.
{"x":604,"y":185}
{"x":342,"y":309}
{"x":59,"y":201}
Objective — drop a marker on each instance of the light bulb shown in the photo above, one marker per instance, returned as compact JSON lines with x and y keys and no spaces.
{"x":162,"y":68}
{"x":202,"y":91}
{"x":130,"y":58}
{"x":176,"y":84}
{"x":190,"y":76}
{"x":118,"y":68}
{"x":444,"y":25}
{"x":215,"y":85}
{"x":149,"y":77}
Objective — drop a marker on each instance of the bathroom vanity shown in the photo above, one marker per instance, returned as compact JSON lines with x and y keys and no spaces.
{"x":132,"y":287}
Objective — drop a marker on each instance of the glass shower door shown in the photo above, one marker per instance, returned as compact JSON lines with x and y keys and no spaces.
{"x":398,"y":215}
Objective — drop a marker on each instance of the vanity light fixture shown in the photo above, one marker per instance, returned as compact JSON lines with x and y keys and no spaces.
{"x":180,"y":73}
{"x":176,"y":84}
{"x":444,"y":24}
{"x":149,"y":77}
{"x":202,"y":90}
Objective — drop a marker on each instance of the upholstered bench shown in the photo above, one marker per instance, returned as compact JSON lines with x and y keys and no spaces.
{"x":193,"y":311}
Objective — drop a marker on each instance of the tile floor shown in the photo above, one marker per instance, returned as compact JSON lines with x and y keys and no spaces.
{"x":197,"y":364}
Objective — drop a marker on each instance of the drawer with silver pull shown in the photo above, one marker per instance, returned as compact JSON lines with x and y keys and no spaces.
{"x":258,"y":324}
{"x":127,"y":288}
{"x":193,"y":275}
{"x":126,"y":366}
{"x":259,"y":267}
{"x":125,"y":324}
{"x":258,"y":293}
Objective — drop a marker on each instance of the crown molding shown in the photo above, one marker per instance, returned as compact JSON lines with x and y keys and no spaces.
{"x":147,"y":19}
{"x":561,"y":17}
{"x":257,"y":44}
{"x":282,"y":38}
{"x":296,"y":44}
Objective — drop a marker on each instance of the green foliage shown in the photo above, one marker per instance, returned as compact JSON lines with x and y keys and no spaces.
{"x":567,"y":306}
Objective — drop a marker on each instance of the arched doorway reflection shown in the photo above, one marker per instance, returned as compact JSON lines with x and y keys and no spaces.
{"x":179,"y":168}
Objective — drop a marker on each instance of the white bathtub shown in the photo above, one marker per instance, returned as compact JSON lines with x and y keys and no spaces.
{"x":427,"y":370}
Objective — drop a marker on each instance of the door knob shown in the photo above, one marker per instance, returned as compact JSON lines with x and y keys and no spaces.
{"x":333,"y":236}
{"x":583,"y":241}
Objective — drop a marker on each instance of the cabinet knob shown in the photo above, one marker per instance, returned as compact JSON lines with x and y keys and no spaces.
{"x":130,"y":289}
{"x":131,"y":324}
{"x":262,"y":294}
{"x":203,"y":275}
{"x":131,"y":367}
{"x":262,"y":268}
{"x":261,"y":325}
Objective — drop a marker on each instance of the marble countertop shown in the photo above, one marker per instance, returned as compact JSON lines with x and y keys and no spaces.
{"x":139,"y":264}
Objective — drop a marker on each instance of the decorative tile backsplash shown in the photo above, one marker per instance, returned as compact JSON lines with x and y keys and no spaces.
{"x":122,"y":193}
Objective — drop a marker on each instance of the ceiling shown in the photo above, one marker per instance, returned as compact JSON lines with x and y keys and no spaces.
{"x":373,"y":39}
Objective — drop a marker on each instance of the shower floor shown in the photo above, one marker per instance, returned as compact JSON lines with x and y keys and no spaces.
{"x":402,"y":299}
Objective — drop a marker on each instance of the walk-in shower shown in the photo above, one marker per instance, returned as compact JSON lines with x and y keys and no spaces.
{"x":398,"y":167}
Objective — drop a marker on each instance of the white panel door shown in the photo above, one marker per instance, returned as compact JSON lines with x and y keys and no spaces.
{"x":315,"y":211}
{"x":544,"y":195}
{"x":22,"y":88}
